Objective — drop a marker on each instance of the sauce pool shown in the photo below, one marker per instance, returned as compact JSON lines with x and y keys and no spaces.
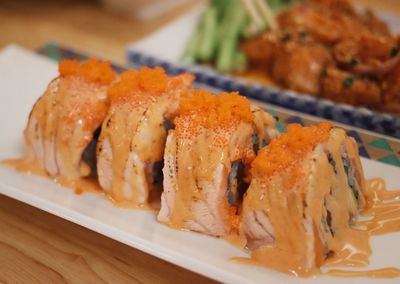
{"x":79,"y":186}
{"x":382,"y":212}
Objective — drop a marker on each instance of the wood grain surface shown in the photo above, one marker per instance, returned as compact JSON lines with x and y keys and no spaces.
{"x":82,"y":24}
{"x":37,"y":247}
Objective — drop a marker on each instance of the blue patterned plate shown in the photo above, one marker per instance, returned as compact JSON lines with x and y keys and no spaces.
{"x":355,"y":116}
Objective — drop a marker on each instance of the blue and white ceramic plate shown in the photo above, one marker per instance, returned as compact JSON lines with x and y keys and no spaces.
{"x":165,"y":46}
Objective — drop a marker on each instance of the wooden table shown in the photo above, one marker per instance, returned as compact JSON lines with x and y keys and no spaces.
{"x":81,"y":24}
{"x":37,"y":247}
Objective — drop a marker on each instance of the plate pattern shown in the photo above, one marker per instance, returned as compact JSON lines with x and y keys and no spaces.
{"x":371,"y":145}
{"x":383,"y":123}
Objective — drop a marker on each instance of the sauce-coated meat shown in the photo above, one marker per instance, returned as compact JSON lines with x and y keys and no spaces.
{"x":327,"y":49}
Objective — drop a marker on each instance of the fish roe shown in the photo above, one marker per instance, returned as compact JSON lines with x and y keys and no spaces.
{"x":289,"y":149}
{"x":142,"y":85}
{"x":93,"y":70}
{"x":212,"y":111}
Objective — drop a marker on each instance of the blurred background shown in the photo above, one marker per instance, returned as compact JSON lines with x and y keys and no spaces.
{"x":92,"y":26}
{"x":99,"y":27}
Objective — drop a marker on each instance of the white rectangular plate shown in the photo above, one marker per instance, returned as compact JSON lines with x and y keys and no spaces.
{"x":23,"y":77}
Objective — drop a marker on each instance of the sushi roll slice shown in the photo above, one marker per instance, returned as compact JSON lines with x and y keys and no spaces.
{"x":131,"y":144}
{"x":64,"y":123}
{"x":306,"y":190}
{"x":206,"y":160}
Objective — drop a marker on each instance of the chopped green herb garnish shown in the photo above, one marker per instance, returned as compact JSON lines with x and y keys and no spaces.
{"x":348,"y":82}
{"x":394,"y":51}
{"x":353,"y":61}
{"x":303,"y":34}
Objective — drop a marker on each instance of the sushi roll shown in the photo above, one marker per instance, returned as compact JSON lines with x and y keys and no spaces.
{"x":306,"y":190}
{"x":131,"y":144}
{"x":206,"y":160}
{"x":64,"y":123}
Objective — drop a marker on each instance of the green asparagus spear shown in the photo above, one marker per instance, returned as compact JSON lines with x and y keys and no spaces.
{"x":189,"y":54}
{"x":234,"y":20}
{"x":240,"y":62}
{"x":221,"y":6}
{"x":207,"y":41}
{"x":276,"y":5}
{"x":217,"y":35}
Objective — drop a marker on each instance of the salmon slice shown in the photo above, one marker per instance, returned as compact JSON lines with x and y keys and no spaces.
{"x":35,"y":129}
{"x":203,"y":183}
{"x":131,"y":145}
{"x":299,"y":206}
{"x":62,"y":122}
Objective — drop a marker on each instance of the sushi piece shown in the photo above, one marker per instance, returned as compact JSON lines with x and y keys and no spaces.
{"x":206,"y":160}
{"x":64,"y":123}
{"x":306,"y":191}
{"x":131,"y":144}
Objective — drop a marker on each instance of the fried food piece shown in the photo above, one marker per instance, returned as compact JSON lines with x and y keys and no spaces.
{"x":299,"y":67}
{"x":341,"y":86}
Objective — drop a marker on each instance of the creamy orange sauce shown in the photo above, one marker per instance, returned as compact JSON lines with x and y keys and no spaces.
{"x":381,"y":204}
{"x":384,"y":208}
{"x":236,"y":240}
{"x":133,"y":134}
{"x":279,"y":193}
{"x":79,"y":186}
{"x":294,"y":185}
{"x":299,"y":240}
{"x":211,"y":132}
{"x":26,"y":166}
{"x":32,"y":167}
{"x":389,"y":272}
{"x":63,"y":120}
{"x":197,"y":160}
